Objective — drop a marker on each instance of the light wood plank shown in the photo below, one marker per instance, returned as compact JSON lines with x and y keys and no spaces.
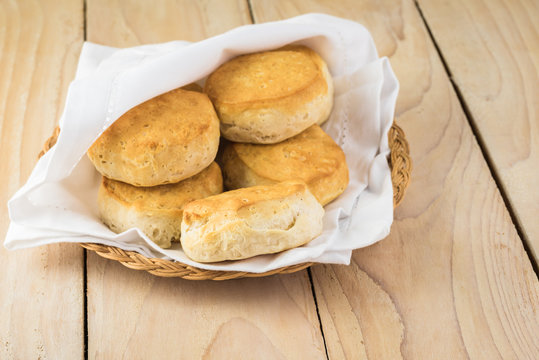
{"x":135,"y":315}
{"x":452,"y":280}
{"x":135,"y":22}
{"x":42,"y":295}
{"x":492,"y":51}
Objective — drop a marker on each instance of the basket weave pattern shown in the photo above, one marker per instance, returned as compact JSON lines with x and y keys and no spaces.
{"x":401,"y":168}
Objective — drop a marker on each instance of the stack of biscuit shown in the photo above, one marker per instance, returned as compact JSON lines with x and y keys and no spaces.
{"x":155,"y":159}
{"x":279,"y":166}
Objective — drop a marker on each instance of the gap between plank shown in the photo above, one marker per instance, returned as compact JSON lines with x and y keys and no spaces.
{"x":317,"y":312}
{"x":84,"y":19}
{"x":482,"y":146}
{"x":85,"y":300}
{"x":251,"y":14}
{"x":85,"y":253}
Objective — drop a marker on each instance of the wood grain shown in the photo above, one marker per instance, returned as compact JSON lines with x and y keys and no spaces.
{"x":452,"y":280}
{"x":132,"y":314}
{"x":492,"y":51}
{"x":135,"y":22}
{"x":41,"y":299}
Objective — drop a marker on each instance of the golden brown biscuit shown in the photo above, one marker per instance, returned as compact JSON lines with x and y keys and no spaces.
{"x":156,"y":210}
{"x":270,"y":96}
{"x":163,"y":140}
{"x":311,"y":156}
{"x":248,"y":222}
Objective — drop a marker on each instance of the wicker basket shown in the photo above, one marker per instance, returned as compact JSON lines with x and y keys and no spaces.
{"x":401,"y":167}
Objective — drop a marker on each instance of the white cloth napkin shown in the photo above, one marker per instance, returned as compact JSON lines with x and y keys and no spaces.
{"x":58,"y":202}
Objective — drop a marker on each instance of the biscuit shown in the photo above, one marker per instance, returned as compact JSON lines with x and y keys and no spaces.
{"x":311,"y":156}
{"x":271,"y":96}
{"x":163,"y":140}
{"x":157,"y":210}
{"x":248,"y":222}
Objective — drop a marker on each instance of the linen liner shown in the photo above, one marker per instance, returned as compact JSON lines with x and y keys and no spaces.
{"x":58,"y":202}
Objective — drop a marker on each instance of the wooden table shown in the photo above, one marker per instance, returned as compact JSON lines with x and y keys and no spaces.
{"x":457,"y":277}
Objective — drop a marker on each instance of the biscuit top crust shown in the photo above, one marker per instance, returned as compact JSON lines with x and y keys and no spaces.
{"x":171,"y":119}
{"x":310,"y":155}
{"x":269,"y":75}
{"x":169,"y":196}
{"x":235,"y":200}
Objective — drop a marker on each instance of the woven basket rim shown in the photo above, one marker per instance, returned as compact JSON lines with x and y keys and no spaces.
{"x":401,"y":168}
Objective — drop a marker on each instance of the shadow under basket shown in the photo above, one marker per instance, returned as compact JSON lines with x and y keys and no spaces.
{"x":401,"y":168}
